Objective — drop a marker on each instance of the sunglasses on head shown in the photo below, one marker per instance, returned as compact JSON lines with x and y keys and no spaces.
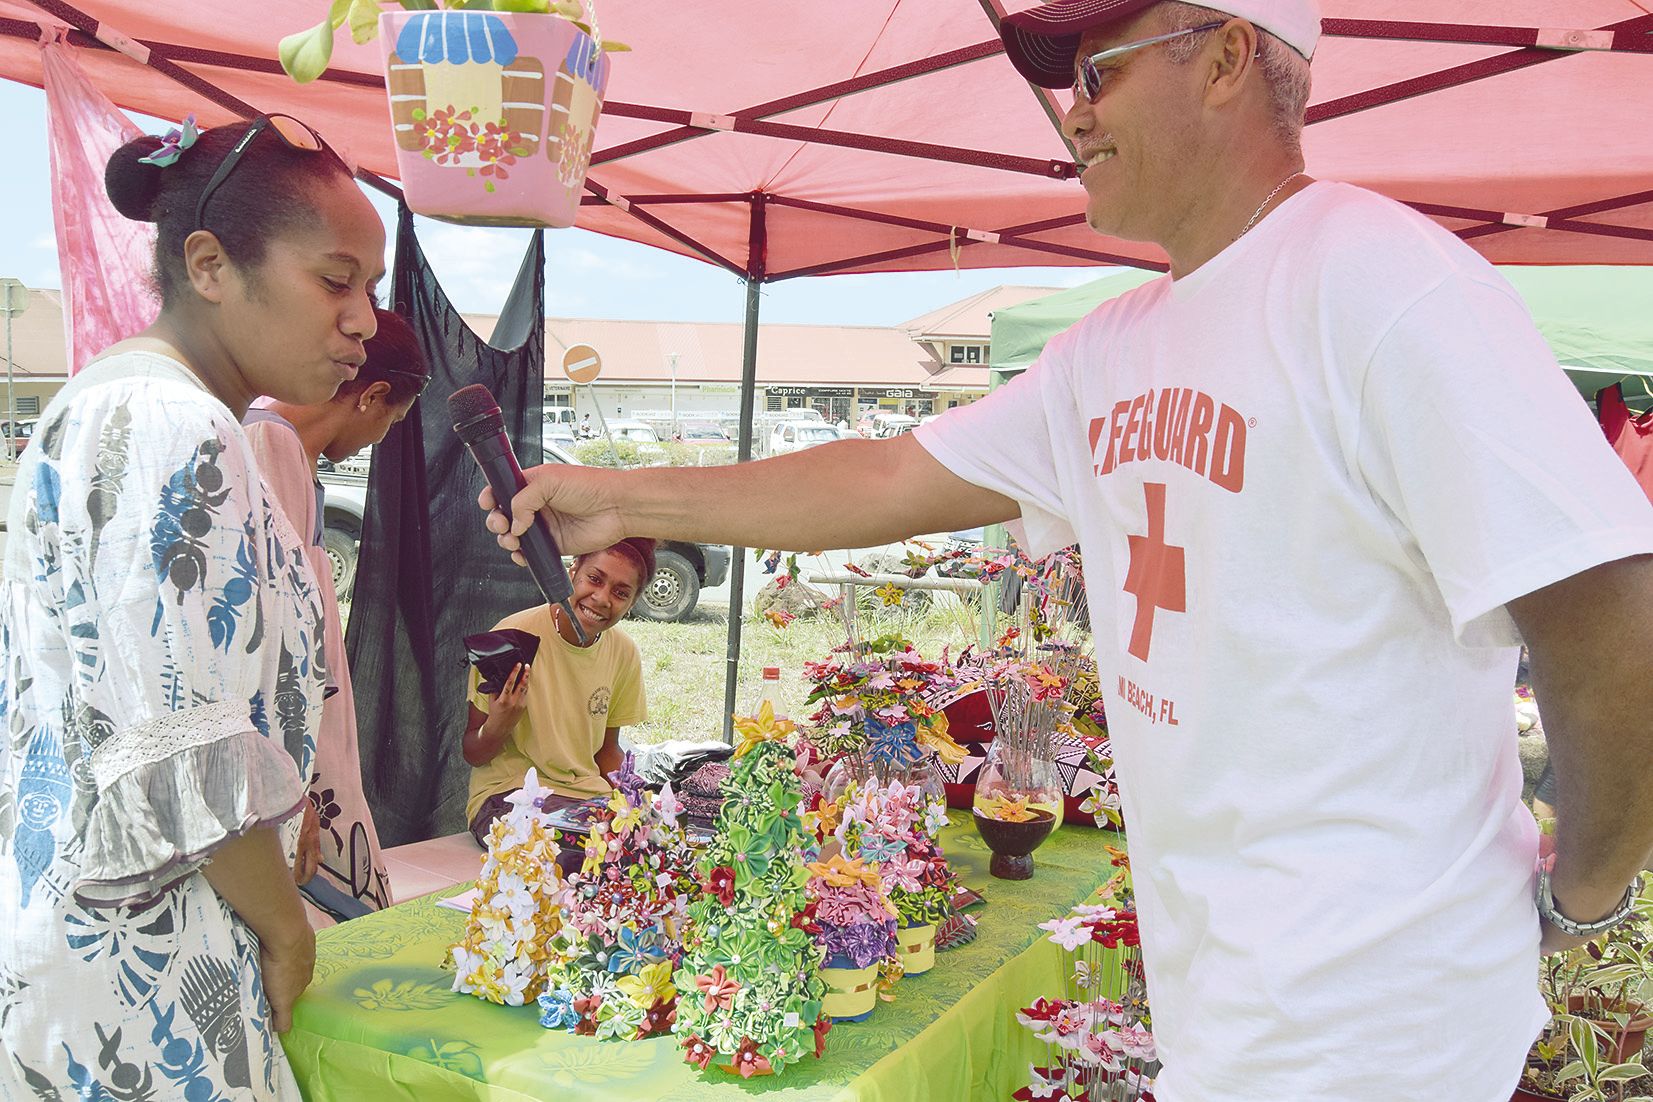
{"x":423,"y":380}
{"x":1088,"y":84}
{"x":295,"y":134}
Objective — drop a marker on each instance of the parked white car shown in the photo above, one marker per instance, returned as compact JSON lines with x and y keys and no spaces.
{"x":793,"y":436}
{"x":891,"y":424}
{"x":635,"y":431}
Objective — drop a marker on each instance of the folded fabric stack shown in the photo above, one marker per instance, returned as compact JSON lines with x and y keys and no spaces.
{"x":702,"y":793}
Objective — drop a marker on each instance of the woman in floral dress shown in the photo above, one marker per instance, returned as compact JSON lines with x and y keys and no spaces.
{"x":161,"y":643}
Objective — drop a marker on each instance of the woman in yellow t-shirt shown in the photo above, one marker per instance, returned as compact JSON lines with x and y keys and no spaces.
{"x":563,"y":716}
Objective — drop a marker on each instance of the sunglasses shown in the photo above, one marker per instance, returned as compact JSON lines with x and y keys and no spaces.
{"x":423,"y":380}
{"x":294,"y":133}
{"x":1091,"y":74}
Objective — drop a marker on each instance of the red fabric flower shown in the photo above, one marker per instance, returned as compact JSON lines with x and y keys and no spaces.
{"x":698,"y":1052}
{"x":749,"y":1061}
{"x":1044,"y":1010}
{"x":823,"y":1026}
{"x":659,"y":1018}
{"x":718,"y":988}
{"x":722,"y":885}
{"x":587,"y":1010}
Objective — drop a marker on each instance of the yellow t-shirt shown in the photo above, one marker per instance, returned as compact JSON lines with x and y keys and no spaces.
{"x":574,"y":695}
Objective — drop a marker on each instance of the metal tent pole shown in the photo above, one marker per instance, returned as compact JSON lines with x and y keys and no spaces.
{"x":757,"y":247}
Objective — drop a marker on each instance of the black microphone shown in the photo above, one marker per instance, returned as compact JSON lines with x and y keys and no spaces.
{"x":479,"y":423}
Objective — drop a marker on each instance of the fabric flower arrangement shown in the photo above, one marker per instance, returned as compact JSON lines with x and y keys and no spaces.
{"x":1100,"y":1033}
{"x":751,"y":1002}
{"x":610,"y":967}
{"x":502,"y":956}
{"x":855,"y":918}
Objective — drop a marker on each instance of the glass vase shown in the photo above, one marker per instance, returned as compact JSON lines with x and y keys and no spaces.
{"x":1018,"y":803}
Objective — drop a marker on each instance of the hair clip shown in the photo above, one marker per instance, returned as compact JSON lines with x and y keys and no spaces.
{"x":173,"y":145}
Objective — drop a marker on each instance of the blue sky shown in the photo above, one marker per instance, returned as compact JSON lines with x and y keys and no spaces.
{"x":588,"y":275}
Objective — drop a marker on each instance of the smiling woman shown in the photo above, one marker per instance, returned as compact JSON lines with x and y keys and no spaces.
{"x":161,"y":641}
{"x":563,"y":716}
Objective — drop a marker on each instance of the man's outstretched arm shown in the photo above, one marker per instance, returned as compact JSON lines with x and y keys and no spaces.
{"x":853,"y":493}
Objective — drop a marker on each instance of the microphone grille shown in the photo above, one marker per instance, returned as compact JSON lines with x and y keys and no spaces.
{"x":470,"y":402}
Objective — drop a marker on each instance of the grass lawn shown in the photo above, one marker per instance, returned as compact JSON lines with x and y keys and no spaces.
{"x":683,"y":663}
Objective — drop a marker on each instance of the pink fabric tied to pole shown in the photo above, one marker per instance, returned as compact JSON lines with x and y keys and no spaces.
{"x":106,"y":260}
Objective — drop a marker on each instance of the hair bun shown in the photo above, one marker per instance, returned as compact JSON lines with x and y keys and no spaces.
{"x":133,"y":186}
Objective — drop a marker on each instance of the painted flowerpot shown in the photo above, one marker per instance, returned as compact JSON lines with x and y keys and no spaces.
{"x":852,"y":992}
{"x":493,"y":113}
{"x":1523,"y":1095}
{"x":917,"y":946}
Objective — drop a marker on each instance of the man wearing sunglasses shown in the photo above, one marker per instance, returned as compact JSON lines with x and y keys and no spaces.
{"x":1326,"y":476}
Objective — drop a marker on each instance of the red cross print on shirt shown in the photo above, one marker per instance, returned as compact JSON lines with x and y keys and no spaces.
{"x":1157,"y":575}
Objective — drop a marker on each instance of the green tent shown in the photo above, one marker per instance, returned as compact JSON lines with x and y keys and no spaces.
{"x":1598,"y":320}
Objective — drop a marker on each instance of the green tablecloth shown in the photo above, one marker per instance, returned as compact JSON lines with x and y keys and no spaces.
{"x":380,"y":1022}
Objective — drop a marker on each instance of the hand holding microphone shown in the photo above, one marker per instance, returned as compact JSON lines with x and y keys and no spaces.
{"x":479,"y":423}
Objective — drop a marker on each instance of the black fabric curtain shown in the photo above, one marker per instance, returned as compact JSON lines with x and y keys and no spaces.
{"x":429,"y":572}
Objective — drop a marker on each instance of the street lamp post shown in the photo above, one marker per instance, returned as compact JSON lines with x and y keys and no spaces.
{"x":672,"y":357}
{"x":14,"y":299}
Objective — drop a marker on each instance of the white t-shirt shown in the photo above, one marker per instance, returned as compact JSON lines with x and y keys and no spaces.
{"x":1306,"y":479}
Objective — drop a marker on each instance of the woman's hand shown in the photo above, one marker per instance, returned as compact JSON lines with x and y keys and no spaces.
{"x":308,"y":858}
{"x":287,"y":971}
{"x":505,"y":708}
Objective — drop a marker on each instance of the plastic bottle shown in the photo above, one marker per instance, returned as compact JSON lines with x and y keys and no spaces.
{"x":769,"y":690}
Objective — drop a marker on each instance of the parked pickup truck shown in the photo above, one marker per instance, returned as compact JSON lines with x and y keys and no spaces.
{"x":682,"y":570}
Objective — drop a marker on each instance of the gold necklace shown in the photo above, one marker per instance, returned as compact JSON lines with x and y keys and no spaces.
{"x":1267,"y":199}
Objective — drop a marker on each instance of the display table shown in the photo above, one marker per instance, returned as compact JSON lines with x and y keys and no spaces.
{"x":380,"y":1022}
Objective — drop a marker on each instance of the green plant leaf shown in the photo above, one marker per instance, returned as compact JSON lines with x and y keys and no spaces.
{"x":1622,"y":1073}
{"x":305,"y":55}
{"x":537,"y":6}
{"x":612,"y":47}
{"x":418,"y":5}
{"x":1582,"y":1034}
{"x":364,"y":20}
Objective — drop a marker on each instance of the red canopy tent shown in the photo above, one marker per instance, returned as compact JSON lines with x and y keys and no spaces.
{"x":785,"y":138}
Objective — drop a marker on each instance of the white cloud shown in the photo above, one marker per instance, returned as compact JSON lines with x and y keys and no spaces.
{"x":475,"y":265}
{"x":581,"y":259}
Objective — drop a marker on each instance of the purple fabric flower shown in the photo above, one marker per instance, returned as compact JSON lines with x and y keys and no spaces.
{"x":862,"y":943}
{"x":173,"y":145}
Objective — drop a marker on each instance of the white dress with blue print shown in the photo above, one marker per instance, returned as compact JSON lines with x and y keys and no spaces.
{"x":161,"y":678}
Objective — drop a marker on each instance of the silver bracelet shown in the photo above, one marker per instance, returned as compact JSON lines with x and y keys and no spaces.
{"x":1548,"y":912}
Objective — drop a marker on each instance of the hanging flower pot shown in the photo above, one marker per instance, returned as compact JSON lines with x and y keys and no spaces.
{"x":917,"y":946}
{"x":493,"y":113}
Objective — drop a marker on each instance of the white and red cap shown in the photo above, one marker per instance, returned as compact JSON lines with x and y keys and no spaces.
{"x":1042,"y":41}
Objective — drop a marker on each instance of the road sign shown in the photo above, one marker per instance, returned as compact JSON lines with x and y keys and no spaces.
{"x":581,"y":363}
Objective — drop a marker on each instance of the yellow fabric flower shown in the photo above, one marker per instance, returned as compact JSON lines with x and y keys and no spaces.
{"x":891,"y":593}
{"x":840,"y":873}
{"x":761,"y":728}
{"x":650,"y":986}
{"x":936,"y":736}
{"x":1006,"y":810}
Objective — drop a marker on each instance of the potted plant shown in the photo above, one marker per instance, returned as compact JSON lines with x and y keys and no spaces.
{"x":1597,"y":995}
{"x":493,"y":103}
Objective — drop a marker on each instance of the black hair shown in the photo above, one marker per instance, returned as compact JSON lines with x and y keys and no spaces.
{"x":393,"y":357}
{"x":269,"y":192}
